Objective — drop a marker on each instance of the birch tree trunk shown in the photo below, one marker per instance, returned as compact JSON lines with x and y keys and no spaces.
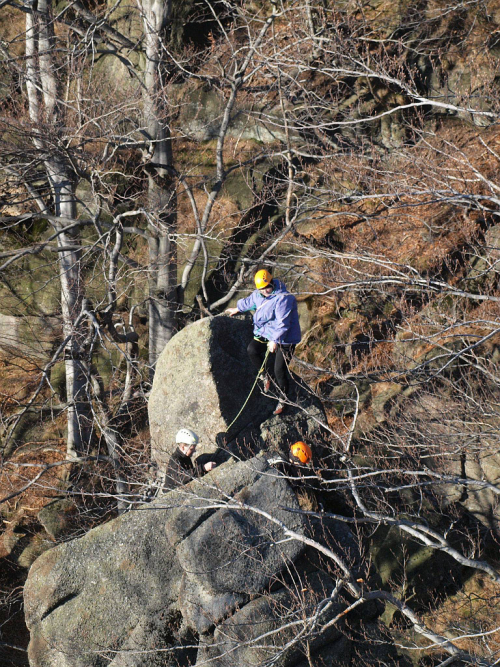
{"x":162,"y":198}
{"x":44,"y":103}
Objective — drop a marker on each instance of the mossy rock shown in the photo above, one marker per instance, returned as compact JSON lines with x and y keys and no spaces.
{"x":409,"y":566}
{"x":87,"y":203}
{"x":34,"y":429}
{"x":57,"y":517}
{"x":194,"y":285}
{"x":410,"y":352}
{"x":345,"y":396}
{"x":382,"y":395}
{"x":106,"y":363}
{"x":26,"y":430}
{"x":58,"y":379}
{"x":201,"y":113}
{"x":238,"y":189}
{"x":114,"y":73}
{"x":32,"y":287}
{"x":8,"y":542}
{"x":36,"y":547}
{"x":29,"y":336}
{"x":306,"y":317}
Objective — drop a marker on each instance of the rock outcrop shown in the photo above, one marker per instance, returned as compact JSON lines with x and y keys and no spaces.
{"x":203,"y":378}
{"x":221,"y":570}
{"x":29,"y":336}
{"x":201,"y":572}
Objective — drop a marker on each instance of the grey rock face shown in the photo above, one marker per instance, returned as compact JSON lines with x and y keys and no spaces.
{"x":216,"y":567}
{"x":30,"y":336}
{"x":260,"y":628}
{"x":86,"y":598}
{"x":204,"y":572}
{"x":207,"y":390}
{"x":56,"y":516}
{"x":172,"y":568}
{"x":202,"y":113}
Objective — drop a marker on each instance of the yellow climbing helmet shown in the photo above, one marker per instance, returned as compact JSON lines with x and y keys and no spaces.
{"x":262,"y":279}
{"x":300,"y":453}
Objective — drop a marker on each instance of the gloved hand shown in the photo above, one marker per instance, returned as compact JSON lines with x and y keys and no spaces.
{"x":272,"y":346}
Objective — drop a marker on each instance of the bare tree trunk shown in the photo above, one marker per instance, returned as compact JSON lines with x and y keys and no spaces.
{"x":162,"y":197}
{"x":70,"y":272}
{"x":41,"y":86}
{"x":163,"y":291}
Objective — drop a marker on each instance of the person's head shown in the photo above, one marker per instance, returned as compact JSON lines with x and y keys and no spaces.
{"x":300,"y":453}
{"x":264,"y":282}
{"x":186,"y":440}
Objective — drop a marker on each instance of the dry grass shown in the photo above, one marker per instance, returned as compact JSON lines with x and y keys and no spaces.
{"x":473,"y":610}
{"x":18,"y":378}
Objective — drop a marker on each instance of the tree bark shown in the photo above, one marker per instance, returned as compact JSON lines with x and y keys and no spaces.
{"x":162,"y":196}
{"x":43,"y":102}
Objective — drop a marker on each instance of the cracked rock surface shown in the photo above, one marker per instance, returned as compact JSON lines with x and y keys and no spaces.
{"x":167,"y":572}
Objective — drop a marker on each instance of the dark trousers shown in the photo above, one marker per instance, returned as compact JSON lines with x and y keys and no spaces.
{"x":277,"y":362}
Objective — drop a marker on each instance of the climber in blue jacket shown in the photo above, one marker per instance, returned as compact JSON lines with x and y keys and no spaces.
{"x":275,"y":326}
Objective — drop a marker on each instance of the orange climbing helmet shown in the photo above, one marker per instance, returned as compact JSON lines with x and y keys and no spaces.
{"x":300,"y":453}
{"x":262,"y":279}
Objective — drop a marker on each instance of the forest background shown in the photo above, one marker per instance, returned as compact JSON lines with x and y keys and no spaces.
{"x":153,"y":155}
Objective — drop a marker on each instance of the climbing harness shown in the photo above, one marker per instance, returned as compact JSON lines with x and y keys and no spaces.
{"x":251,"y":391}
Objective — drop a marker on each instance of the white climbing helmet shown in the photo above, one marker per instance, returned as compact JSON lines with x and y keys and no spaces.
{"x":186,"y":437}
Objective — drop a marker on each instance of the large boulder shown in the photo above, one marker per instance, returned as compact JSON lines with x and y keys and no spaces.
{"x":166,"y":572}
{"x":203,"y":378}
{"x":202,"y":572}
{"x":92,"y":595}
{"x":205,"y":573}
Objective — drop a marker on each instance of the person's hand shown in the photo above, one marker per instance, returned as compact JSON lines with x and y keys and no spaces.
{"x":271,"y":346}
{"x":210,"y":466}
{"x":231,"y":311}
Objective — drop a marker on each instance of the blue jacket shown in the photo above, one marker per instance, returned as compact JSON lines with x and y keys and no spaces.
{"x":275,"y":317}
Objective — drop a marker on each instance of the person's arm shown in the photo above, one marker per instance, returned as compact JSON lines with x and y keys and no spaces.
{"x":201,"y":468}
{"x":248,"y":303}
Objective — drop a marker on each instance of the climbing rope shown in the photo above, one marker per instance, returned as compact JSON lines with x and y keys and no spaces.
{"x":251,"y":390}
